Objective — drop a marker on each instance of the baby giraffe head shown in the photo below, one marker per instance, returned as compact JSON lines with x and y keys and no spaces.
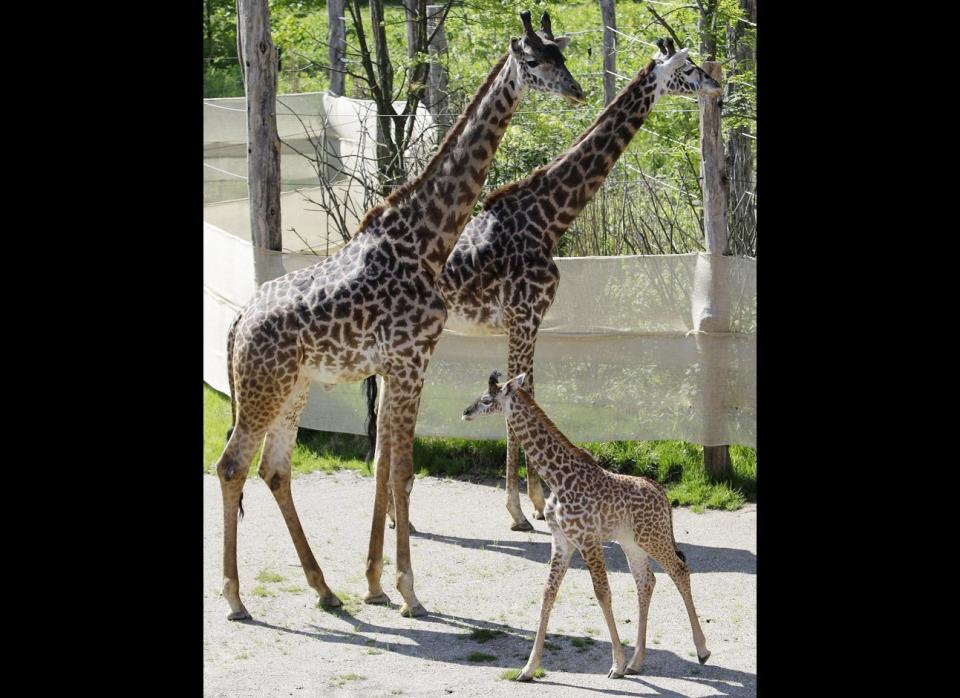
{"x":677,"y":74}
{"x":498,"y":399}
{"x":542,"y":66}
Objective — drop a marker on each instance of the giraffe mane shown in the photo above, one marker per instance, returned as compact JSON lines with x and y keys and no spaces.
{"x":551,"y":427}
{"x":507,"y":189}
{"x":411,"y":184}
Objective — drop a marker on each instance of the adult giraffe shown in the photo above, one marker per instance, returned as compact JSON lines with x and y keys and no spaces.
{"x":501,"y":277}
{"x":372,"y":308}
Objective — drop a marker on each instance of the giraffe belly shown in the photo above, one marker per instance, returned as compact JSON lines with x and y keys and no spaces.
{"x":474,"y":324}
{"x":328,"y":373}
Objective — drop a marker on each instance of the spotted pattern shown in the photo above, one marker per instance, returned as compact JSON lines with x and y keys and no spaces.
{"x":588,"y":506}
{"x":501,"y":277}
{"x":372,"y":308}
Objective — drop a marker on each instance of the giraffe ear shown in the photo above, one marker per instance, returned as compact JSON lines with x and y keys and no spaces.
{"x":562,"y":42}
{"x":511,"y":385}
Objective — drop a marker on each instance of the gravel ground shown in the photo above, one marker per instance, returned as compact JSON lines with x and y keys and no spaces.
{"x":472,"y":573}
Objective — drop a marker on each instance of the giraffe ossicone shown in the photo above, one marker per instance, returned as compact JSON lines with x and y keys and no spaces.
{"x":587,"y":507}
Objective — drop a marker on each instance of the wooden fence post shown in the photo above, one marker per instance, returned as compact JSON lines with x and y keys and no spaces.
{"x":336,"y":46}
{"x":411,"y":8}
{"x":713,"y":316}
{"x":436,"y":94}
{"x":258,"y":59}
{"x":608,"y":17}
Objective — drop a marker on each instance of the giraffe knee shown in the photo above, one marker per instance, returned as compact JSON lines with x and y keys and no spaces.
{"x":273,"y":478}
{"x":227,"y":469}
{"x":403,"y":483}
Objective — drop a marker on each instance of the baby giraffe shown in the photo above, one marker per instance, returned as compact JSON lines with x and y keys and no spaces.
{"x":587,"y":506}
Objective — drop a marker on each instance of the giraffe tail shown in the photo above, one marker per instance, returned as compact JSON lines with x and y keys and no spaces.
{"x":370,"y":389}
{"x":231,"y":338}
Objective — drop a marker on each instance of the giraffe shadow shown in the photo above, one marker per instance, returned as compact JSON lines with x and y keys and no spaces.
{"x":700,"y":558}
{"x":446,"y":638}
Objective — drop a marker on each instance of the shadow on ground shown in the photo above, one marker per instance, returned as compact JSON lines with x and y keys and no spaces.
{"x":700,"y":558}
{"x":445,"y":638}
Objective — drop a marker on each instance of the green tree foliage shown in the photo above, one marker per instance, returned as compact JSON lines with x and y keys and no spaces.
{"x":651,"y":202}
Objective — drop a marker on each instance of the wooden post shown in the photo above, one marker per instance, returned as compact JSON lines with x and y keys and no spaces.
{"x":336,"y":46}
{"x":608,"y":17}
{"x":411,"y":8}
{"x":258,"y":58}
{"x":436,"y":93}
{"x":713,"y":316}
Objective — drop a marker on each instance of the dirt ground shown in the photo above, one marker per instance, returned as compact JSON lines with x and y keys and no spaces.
{"x":472,"y":573}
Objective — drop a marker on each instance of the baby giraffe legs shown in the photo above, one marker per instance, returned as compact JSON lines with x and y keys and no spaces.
{"x":593,"y":556}
{"x":562,"y":551}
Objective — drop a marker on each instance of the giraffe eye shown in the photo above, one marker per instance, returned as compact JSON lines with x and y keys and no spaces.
{"x":486,"y":399}
{"x":532,"y":64}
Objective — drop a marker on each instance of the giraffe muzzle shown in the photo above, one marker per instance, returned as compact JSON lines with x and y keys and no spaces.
{"x":576,"y":95}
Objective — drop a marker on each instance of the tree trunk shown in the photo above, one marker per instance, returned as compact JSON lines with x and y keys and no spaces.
{"x":743,"y":216}
{"x":712,"y":318}
{"x":258,"y":59}
{"x":336,"y":46}
{"x":436,"y":96}
{"x":707,"y":30}
{"x":608,"y":18}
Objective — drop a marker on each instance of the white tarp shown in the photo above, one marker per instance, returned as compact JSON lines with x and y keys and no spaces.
{"x":617,"y":357}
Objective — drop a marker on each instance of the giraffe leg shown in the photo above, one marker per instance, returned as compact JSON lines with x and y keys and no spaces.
{"x":520,"y":359}
{"x":645,"y":580}
{"x":232,"y":470}
{"x":404,"y":403}
{"x":534,"y":485}
{"x":680,"y":574}
{"x":593,"y":556}
{"x":382,"y":500}
{"x":562,"y":551}
{"x":275,"y":471}
{"x":520,"y":522}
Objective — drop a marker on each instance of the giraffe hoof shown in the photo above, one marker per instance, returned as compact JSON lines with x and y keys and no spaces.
{"x":630,"y":670}
{"x":538,"y":515}
{"x":704,"y":658}
{"x":330,"y":601}
{"x":524,"y":678}
{"x":614,"y":674}
{"x":522,"y":526}
{"x":393,"y":524}
{"x":415,"y":612}
{"x":239,"y":615}
{"x":380,"y":599}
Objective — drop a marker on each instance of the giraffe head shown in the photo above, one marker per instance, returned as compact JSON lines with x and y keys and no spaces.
{"x":497,"y":398}
{"x":542,"y":66}
{"x":677,"y":74}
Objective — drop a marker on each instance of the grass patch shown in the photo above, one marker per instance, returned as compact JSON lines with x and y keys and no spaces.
{"x":344,"y":678}
{"x":267,"y":576}
{"x":351,"y":604}
{"x":582,"y":643}
{"x":677,"y":465}
{"x":511,"y":674}
{"x":261,"y":591}
{"x":480,"y":657}
{"x":482,"y":635}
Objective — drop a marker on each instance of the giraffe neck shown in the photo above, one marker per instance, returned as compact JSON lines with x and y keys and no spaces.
{"x":574,"y":176}
{"x":547,"y":450}
{"x":437,"y":204}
